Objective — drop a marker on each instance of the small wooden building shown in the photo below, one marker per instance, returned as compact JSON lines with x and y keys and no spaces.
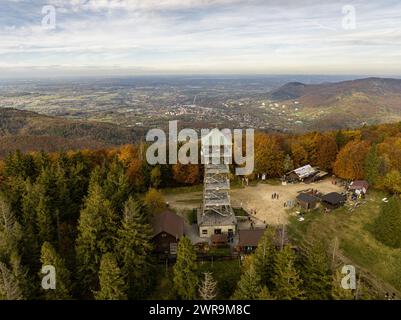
{"x":333,"y":200}
{"x":168,"y":228}
{"x":249,"y":239}
{"x":307,"y":201}
{"x":359,"y":186}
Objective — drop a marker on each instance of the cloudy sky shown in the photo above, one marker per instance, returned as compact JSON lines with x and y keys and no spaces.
{"x":200,"y":36}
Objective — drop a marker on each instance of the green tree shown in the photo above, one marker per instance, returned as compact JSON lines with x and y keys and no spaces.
{"x":288,"y":164}
{"x":264,"y":256}
{"x":286,"y":280}
{"x":97,"y":228}
{"x":154,"y":200}
{"x":185,"y":277}
{"x":372,"y":166}
{"x":134,"y":248}
{"x":249,"y":286}
{"x":392,"y":182}
{"x":316,"y":273}
{"x":387,"y":227}
{"x":111,"y":280}
{"x":337,"y":291}
{"x":49,"y":256}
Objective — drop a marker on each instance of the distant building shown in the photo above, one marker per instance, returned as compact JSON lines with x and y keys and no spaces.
{"x":168,"y":229}
{"x":249,"y":239}
{"x":305,"y":174}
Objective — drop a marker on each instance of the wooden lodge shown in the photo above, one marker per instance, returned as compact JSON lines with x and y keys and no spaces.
{"x":333,"y":200}
{"x":249,"y":239}
{"x":305,"y":174}
{"x":168,"y":228}
{"x":307,"y":201}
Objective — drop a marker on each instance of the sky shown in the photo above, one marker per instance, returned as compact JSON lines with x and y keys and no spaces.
{"x":128,"y":37}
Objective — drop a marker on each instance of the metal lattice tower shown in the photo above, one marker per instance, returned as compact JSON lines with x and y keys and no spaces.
{"x":216,"y":153}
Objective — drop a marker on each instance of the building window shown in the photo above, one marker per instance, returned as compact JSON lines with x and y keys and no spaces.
{"x":204,"y":231}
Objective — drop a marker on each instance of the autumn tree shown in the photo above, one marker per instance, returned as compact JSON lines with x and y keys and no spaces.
{"x":154,"y":200}
{"x":111,"y":281}
{"x":269,"y":156}
{"x":186,"y":174}
{"x":351,"y":159}
{"x":392,"y":182}
{"x":185,"y":277}
{"x":299,"y":154}
{"x":326,"y":151}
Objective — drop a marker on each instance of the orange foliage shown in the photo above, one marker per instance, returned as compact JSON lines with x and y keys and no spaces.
{"x":350,"y":160}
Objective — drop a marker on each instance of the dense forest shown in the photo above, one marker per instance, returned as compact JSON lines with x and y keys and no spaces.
{"x":88,"y":214}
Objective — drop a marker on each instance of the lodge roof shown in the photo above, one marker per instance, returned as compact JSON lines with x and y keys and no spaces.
{"x":250,"y":238}
{"x":168,"y":222}
{"x":359,"y":185}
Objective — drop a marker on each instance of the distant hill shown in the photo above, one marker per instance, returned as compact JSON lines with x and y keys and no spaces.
{"x":345,"y":104}
{"x":29,"y":131}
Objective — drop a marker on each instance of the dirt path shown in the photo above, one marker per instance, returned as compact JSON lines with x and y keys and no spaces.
{"x":257,"y":198}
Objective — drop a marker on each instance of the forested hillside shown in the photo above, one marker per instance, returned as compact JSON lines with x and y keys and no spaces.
{"x":84,"y":212}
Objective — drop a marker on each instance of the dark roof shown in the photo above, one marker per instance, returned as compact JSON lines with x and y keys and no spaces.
{"x":305,"y":197}
{"x":359,"y":185}
{"x":250,"y":238}
{"x":168,"y":222}
{"x":333,"y":198}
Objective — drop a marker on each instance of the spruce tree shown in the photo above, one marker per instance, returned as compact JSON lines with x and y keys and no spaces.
{"x":111,"y":280}
{"x":337,"y":291}
{"x":372,"y":166}
{"x":249,"y":286}
{"x":97,"y":229}
{"x":49,"y":256}
{"x":316,"y":273}
{"x":134,"y":249}
{"x":286,"y":280}
{"x":185,"y":277}
{"x":264,"y":257}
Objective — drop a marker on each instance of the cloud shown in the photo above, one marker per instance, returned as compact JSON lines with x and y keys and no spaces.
{"x":202,"y":36}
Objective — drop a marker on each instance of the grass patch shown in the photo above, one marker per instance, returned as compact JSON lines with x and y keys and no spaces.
{"x":356,"y":240}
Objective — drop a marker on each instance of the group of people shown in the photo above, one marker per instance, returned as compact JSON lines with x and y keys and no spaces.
{"x":275,"y":196}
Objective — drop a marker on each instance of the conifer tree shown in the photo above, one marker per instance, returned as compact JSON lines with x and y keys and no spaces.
{"x":45,"y":219}
{"x":264,"y":257}
{"x":97,"y":228}
{"x":185,"y":277}
{"x":208,"y":287}
{"x":337,"y":291}
{"x":111,"y":281}
{"x":49,"y":256}
{"x":286,"y":280}
{"x":249,"y":286}
{"x":372,"y":166}
{"x":134,"y":248}
{"x":116,"y":186}
{"x":316,"y":273}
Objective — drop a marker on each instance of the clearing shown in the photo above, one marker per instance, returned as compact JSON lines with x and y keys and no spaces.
{"x":258,"y":197}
